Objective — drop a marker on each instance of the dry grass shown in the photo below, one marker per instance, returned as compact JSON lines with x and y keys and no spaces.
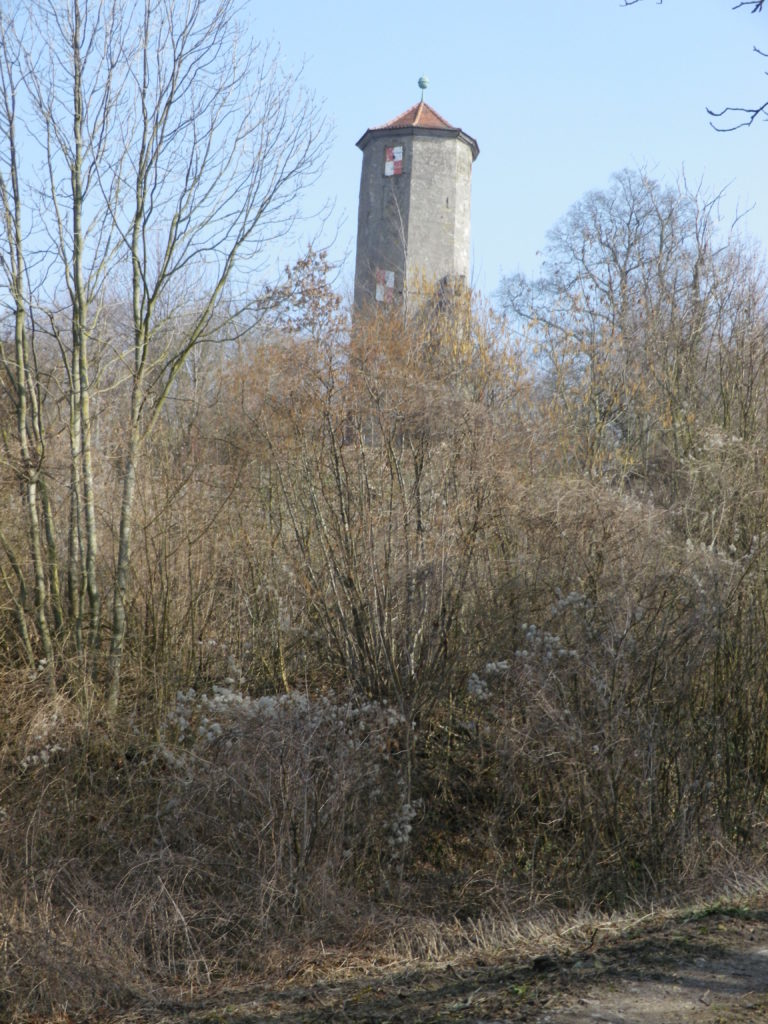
{"x":130,"y":869}
{"x":86,"y":938}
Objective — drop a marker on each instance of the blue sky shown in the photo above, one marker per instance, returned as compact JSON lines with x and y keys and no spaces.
{"x":558,"y":93}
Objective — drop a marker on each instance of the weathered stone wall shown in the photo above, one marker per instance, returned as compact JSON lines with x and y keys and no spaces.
{"x":438,"y":239}
{"x":414,"y":224}
{"x":382,"y":218}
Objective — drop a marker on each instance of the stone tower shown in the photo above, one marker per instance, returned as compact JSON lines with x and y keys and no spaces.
{"x":413,"y":215}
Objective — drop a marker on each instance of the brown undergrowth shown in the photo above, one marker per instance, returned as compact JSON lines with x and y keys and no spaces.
{"x":244,"y":838}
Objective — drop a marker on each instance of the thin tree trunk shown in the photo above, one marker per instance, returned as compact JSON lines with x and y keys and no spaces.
{"x":29,"y":462}
{"x":123,"y":563}
{"x":29,"y":473}
{"x":91,"y":540}
{"x":80,"y":346}
{"x":74,"y":540}
{"x":20,"y":602}
{"x":52,"y":556}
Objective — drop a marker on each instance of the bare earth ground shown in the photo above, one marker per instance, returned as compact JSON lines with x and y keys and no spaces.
{"x":710,"y":967}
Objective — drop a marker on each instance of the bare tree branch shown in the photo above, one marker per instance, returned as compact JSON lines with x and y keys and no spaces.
{"x":756,"y":5}
{"x":165,"y":149}
{"x":750,"y":113}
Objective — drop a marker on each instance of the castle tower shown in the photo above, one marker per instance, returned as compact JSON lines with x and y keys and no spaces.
{"x":413,"y":215}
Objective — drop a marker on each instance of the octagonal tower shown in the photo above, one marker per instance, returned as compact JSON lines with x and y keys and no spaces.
{"x":413,"y":215}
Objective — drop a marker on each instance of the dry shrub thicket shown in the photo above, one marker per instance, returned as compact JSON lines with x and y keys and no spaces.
{"x":447,"y":614}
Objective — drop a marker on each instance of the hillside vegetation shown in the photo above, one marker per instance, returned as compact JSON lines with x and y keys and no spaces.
{"x":423,"y":618}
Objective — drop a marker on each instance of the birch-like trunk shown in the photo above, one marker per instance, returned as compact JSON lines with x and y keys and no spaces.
{"x":80,"y":336}
{"x":122,"y":568}
{"x":21,"y":373}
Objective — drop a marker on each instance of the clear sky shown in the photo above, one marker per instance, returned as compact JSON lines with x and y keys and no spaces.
{"x":558,"y":93}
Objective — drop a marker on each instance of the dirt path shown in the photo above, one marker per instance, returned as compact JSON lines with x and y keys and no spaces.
{"x":710,"y":968}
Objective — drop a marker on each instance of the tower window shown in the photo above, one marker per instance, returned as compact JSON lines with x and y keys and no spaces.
{"x":385,"y":285}
{"x":393,"y":160}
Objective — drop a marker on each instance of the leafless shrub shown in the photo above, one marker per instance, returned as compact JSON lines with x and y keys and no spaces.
{"x":602,"y":749}
{"x":283,"y":800}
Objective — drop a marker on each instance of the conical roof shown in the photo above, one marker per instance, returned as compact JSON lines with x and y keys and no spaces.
{"x":420,"y":117}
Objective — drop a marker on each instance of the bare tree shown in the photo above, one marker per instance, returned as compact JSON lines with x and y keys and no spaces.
{"x":636,"y":319}
{"x":223,"y":146}
{"x":18,"y":363}
{"x":74,"y":76}
{"x":382,"y":484}
{"x":175,"y":150}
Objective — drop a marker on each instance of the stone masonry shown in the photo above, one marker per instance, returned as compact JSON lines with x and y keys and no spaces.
{"x":414,"y":209}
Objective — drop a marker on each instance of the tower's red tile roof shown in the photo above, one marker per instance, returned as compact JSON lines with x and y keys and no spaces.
{"x":420,"y":115}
